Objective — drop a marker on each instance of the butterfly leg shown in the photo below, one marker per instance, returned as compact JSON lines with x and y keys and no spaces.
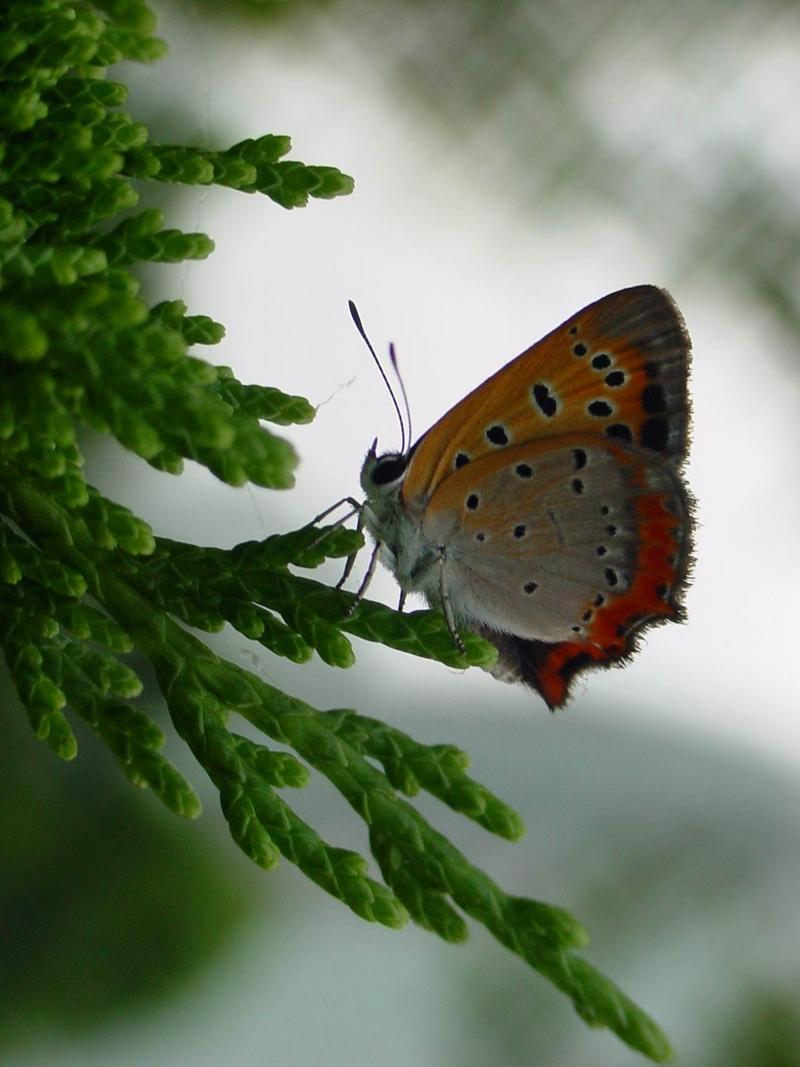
{"x":373,"y":563}
{"x":348,"y":565}
{"x":355,"y":508}
{"x":402,"y":601}
{"x":354,"y":505}
{"x":447,"y":607}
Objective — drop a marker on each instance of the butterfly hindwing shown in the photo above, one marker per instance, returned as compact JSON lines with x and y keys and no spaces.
{"x":561,"y":551}
{"x":616,"y":370}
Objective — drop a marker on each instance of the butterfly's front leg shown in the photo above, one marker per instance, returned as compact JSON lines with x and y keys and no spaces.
{"x":354,"y":505}
{"x":356,"y":508}
{"x":348,"y":565}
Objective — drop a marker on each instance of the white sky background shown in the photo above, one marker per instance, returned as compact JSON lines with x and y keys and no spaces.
{"x":461,"y":281}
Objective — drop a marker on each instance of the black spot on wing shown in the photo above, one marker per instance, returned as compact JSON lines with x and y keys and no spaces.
{"x":544,"y":399}
{"x":620,"y":431}
{"x":655,"y":433}
{"x":654,"y":400}
{"x":574,"y":664}
{"x":497,"y":435}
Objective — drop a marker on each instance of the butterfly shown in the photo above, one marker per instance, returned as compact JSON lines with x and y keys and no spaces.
{"x":546,"y":511}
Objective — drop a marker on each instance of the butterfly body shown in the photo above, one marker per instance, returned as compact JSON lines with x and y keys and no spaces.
{"x":398,"y":529}
{"x":546,"y":510}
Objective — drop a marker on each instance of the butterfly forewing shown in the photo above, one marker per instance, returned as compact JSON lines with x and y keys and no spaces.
{"x":616,"y":370}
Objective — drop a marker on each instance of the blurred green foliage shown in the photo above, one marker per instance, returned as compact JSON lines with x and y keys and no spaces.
{"x":106,"y":904}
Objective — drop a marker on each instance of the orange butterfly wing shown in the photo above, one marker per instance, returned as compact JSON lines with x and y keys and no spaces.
{"x":616,"y":368}
{"x":562,"y":551}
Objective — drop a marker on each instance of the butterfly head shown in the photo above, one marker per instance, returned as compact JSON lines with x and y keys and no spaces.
{"x":382,"y":476}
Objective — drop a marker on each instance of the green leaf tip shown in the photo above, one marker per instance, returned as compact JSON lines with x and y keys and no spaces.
{"x":601,"y":1004}
{"x":422,"y":633}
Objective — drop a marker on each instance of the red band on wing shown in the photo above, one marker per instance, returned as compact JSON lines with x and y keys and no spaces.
{"x":653,"y":597}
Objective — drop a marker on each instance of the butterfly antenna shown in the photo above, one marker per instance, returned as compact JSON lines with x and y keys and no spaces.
{"x":357,"y":320}
{"x":393,"y":358}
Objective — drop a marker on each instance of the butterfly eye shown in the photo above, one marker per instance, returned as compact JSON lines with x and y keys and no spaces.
{"x":389,"y":469}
